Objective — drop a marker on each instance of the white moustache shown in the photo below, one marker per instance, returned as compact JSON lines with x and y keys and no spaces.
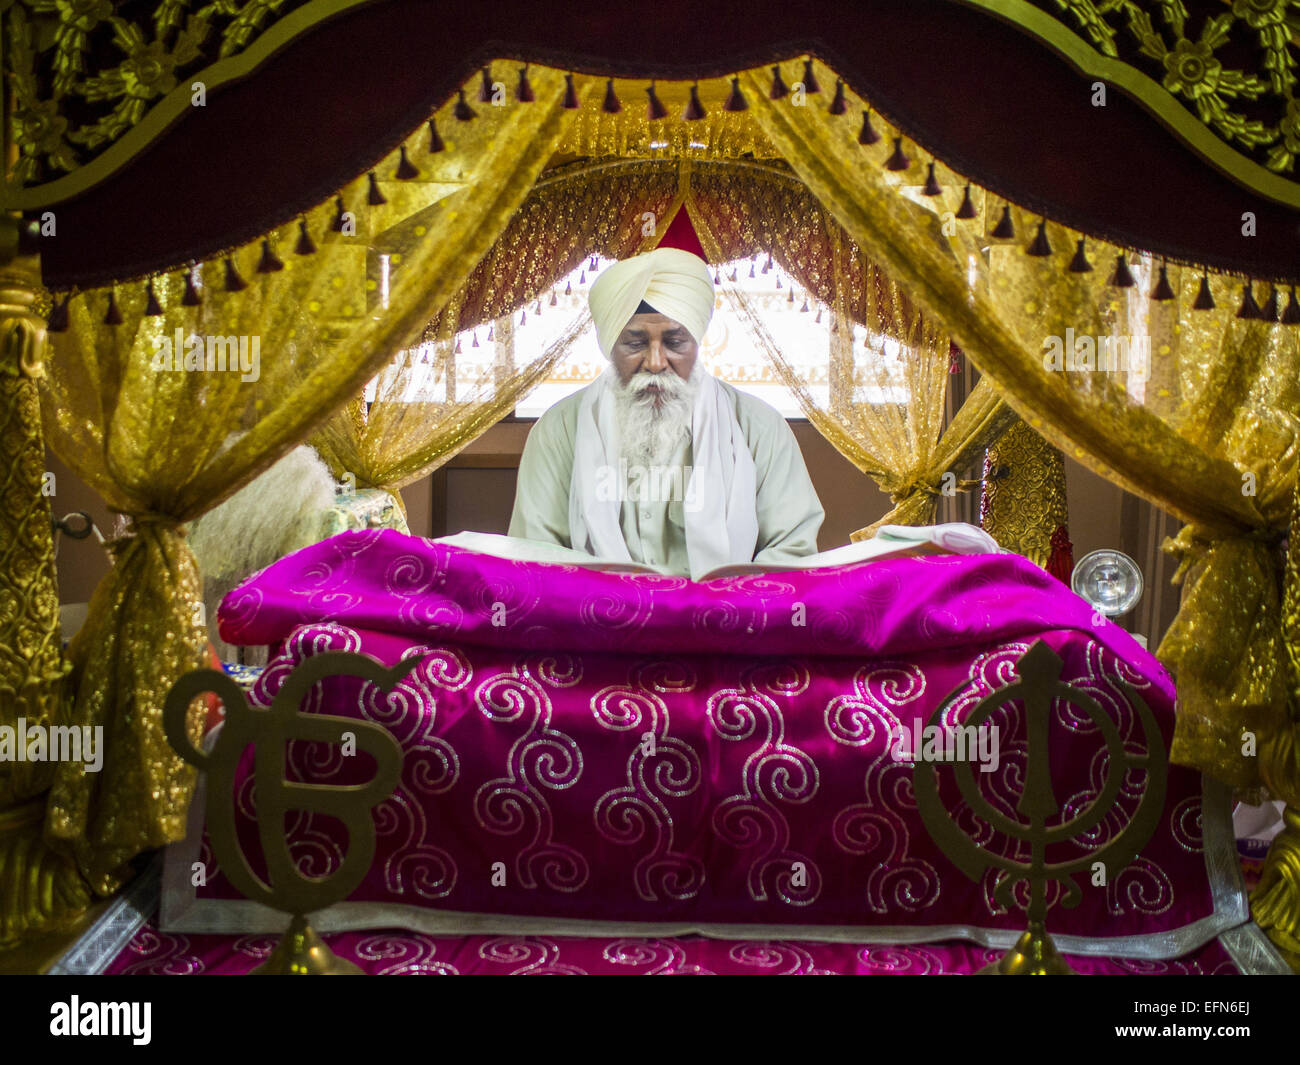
{"x":667,"y":385}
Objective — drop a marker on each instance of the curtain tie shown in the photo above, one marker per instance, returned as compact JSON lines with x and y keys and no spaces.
{"x":1193,"y":542}
{"x":141,"y":520}
{"x":903,"y":488}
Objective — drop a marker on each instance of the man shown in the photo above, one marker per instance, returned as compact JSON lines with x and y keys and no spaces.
{"x":657,"y":461}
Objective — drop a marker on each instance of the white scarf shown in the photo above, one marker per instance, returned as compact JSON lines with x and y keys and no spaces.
{"x":722,"y":520}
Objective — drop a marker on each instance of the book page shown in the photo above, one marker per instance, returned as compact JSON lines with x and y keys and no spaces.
{"x":891,"y":541}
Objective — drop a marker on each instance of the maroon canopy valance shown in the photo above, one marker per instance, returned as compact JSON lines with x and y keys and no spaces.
{"x":993,"y":102}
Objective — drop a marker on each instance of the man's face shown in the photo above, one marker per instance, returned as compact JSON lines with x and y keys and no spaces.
{"x":654,"y":344}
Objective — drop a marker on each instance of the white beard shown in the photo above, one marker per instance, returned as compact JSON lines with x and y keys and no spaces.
{"x":650,"y":432}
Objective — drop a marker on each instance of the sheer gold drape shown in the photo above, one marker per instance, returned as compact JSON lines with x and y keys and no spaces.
{"x":1217,"y":405}
{"x":431,"y":402}
{"x":427,"y":407}
{"x":157,"y":443}
{"x":884,"y":399}
{"x":574,"y":211}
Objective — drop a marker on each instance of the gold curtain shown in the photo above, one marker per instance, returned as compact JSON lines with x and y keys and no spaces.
{"x":1209,"y":423}
{"x":575,"y":210}
{"x":157,"y":444}
{"x":884,"y":396}
{"x":763,"y":206}
{"x":1024,"y":502}
{"x":430,"y":403}
{"x":427,"y":408}
{"x":609,"y":169}
{"x":604,"y":206}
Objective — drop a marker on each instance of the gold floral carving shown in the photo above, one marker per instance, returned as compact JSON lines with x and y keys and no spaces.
{"x":1023,"y":508}
{"x":88,"y":74}
{"x":40,"y":890}
{"x":1220,"y":74}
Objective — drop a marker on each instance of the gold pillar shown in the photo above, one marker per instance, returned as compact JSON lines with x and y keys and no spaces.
{"x":40,"y":889}
{"x":1275,"y":902}
{"x":1023,"y":505}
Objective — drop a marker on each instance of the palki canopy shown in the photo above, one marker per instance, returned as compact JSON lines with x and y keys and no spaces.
{"x":342,"y":179}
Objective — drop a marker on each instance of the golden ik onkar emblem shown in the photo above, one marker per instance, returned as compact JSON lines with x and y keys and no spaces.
{"x":300,"y":951}
{"x":1038,"y":687}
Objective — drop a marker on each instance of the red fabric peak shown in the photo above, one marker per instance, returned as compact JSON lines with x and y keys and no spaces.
{"x":1061,"y":562}
{"x":681,"y":234}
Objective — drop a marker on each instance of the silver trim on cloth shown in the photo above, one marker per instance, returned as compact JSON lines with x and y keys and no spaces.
{"x":182,"y":912}
{"x":108,"y":936}
{"x":1252,"y":952}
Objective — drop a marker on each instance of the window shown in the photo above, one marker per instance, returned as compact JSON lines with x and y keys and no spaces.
{"x":801,"y":328}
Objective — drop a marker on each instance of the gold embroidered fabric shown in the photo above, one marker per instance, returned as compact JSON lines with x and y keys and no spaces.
{"x":425,"y":412}
{"x":1275,"y":902}
{"x":574,"y":211}
{"x":156,"y":442}
{"x":1022,"y":510}
{"x":629,"y":133}
{"x":31,"y":655}
{"x":1207,"y":68}
{"x":607,"y":206}
{"x":885,"y":389}
{"x":1218,"y":403}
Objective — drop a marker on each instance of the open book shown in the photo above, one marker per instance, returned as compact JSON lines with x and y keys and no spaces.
{"x":890,"y":541}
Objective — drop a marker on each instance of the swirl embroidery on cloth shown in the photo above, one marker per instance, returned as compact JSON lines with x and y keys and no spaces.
{"x":238,"y":609}
{"x":727,"y":616}
{"x":542,"y":956}
{"x":411,"y":954}
{"x":1102,"y":669}
{"x":302,"y":643}
{"x":868,"y":716}
{"x":1186,"y":826}
{"x":669,"y":768}
{"x":319,"y":583}
{"x":411,"y":579}
{"x":1140,"y":886}
{"x":851,"y":719}
{"x":316,"y":851}
{"x":774,"y":770}
{"x":790,"y":958}
{"x":430,"y":766}
{"x":664,"y":957}
{"x":1002,"y":788}
{"x":627,"y":609}
{"x":900,"y":960}
{"x":557,"y":670}
{"x":897,"y":880}
{"x":162,"y":955}
{"x":257,"y":947}
{"x":1145,"y":886}
{"x":541,"y":757}
{"x":509,"y":597}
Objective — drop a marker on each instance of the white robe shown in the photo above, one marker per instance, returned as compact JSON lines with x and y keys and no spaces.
{"x":654,"y":532}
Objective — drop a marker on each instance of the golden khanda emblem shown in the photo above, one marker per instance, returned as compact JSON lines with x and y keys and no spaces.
{"x":300,"y":951}
{"x":1039,"y":686}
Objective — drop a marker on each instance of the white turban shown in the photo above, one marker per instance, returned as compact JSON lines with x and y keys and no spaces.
{"x":676,"y":283}
{"x":722,"y":525}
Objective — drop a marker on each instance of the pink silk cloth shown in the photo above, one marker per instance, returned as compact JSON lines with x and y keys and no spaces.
{"x":611,"y":753}
{"x":399,"y":953}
